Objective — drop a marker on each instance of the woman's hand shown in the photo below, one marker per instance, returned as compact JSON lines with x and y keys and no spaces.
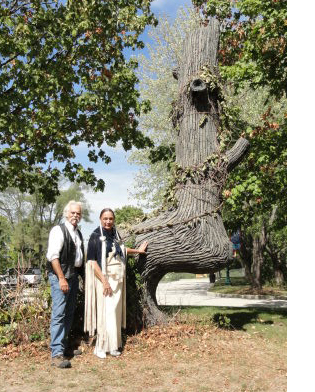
{"x":142,"y":248}
{"x":107,"y":290}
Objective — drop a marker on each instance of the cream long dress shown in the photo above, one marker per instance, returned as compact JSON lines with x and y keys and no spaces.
{"x":106,"y":314}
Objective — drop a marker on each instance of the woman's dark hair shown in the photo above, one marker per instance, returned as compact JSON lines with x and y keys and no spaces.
{"x":105,"y":210}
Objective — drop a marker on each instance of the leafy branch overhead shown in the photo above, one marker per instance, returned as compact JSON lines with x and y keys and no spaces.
{"x":64,"y":80}
{"x":253,"y":44}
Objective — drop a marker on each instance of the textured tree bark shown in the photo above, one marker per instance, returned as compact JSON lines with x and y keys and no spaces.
{"x":260,"y":245}
{"x":247,"y":257}
{"x":278,"y":274}
{"x":258,"y":259}
{"x":190,"y":237}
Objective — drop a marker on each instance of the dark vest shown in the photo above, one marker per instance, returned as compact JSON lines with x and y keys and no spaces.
{"x":67,"y":255}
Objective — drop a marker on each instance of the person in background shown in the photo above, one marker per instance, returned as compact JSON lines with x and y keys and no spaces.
{"x":105,"y":289}
{"x":236,"y":242}
{"x":65,"y":262}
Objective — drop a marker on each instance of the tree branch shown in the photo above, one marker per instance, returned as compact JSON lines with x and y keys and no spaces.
{"x":7,"y":61}
{"x":9,"y":152}
{"x":236,"y":153}
{"x":273,"y":215}
{"x":15,"y":7}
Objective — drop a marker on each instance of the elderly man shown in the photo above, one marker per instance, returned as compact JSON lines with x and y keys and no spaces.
{"x":65,"y":261}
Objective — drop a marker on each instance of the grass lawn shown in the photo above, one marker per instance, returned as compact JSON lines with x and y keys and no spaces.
{"x":268,"y":323}
{"x":240,"y":285}
{"x":202,"y":349}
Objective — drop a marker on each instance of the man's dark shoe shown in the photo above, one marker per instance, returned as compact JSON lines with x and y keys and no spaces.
{"x":60,"y":362}
{"x":69,"y":352}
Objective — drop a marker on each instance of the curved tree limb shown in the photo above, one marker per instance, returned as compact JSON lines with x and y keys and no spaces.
{"x":236,"y":153}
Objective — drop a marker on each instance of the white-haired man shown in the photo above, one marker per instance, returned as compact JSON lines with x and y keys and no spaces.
{"x":65,"y":262}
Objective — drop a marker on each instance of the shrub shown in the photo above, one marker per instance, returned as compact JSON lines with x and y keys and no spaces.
{"x":24,"y":318}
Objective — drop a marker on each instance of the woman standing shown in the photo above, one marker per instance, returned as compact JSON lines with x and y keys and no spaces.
{"x":105,"y":285}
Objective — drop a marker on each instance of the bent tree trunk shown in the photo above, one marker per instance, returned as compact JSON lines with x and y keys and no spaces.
{"x":190,"y":236}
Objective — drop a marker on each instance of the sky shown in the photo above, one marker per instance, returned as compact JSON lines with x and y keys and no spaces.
{"x":119,"y":174}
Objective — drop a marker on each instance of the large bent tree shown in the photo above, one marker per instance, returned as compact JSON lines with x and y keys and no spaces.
{"x":189,"y":236}
{"x":253,"y":57}
{"x":64,"y":80}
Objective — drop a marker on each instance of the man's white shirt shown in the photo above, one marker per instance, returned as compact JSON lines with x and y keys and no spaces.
{"x":56,"y":240}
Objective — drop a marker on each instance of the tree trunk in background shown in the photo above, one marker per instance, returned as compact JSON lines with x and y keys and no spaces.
{"x":260,"y":243}
{"x":190,"y":236}
{"x":246,"y":257}
{"x":258,"y":259}
{"x":278,"y":273}
{"x":277,"y":264}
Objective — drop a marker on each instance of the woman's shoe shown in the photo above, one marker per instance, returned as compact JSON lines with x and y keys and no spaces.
{"x":99,"y":354}
{"x":115,"y":353}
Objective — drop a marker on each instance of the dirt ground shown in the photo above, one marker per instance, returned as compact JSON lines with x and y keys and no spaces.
{"x":177,"y":358}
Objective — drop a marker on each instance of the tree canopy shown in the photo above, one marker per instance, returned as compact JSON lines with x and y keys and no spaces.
{"x":64,"y":80}
{"x":256,"y":191}
{"x":128,"y":215}
{"x":253,"y":41}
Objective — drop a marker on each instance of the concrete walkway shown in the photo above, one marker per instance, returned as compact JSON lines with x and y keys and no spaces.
{"x":194,"y":292}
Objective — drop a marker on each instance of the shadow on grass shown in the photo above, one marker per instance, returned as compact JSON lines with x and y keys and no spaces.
{"x":227,"y":318}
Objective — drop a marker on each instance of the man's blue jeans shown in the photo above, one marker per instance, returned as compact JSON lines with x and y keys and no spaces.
{"x":63,"y":307}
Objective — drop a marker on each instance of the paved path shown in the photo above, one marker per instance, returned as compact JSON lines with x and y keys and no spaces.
{"x":194,"y":292}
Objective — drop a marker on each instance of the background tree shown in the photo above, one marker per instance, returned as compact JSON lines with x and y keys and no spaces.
{"x":128,"y":215}
{"x":253,"y":41}
{"x":64,"y":80}
{"x":26,"y":221}
{"x":4,"y":244}
{"x":255,"y":195}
